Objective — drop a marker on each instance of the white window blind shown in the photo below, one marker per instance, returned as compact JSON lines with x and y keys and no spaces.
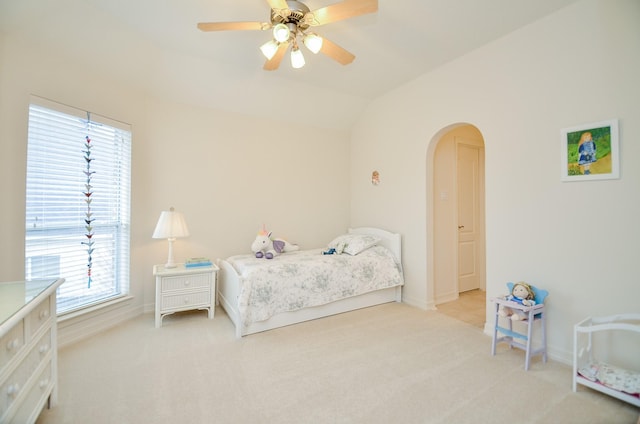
{"x":77,"y":203}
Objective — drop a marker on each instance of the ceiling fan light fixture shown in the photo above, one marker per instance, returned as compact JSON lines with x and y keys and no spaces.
{"x":281,"y":33}
{"x":313,"y":42}
{"x":297,"y":59}
{"x":290,"y":20}
{"x":269,"y":49}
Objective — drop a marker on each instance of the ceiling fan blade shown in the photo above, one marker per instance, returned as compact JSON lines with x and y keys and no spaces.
{"x":344,"y":10}
{"x":336,"y":52}
{"x":278,"y":4}
{"x":233,"y":26}
{"x":274,"y":62}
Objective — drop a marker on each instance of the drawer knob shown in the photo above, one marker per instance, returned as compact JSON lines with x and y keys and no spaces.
{"x":13,"y":390}
{"x":187,"y":282}
{"x":44,"y":313}
{"x":44,"y":383}
{"x":13,"y":344}
{"x":44,"y":348}
{"x":186,"y":300}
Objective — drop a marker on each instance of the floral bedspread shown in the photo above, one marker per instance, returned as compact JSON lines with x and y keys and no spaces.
{"x":305,"y":278}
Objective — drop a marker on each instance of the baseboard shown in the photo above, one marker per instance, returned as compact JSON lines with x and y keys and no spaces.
{"x":447,"y":297}
{"x":73,"y":330}
{"x":418,"y":303}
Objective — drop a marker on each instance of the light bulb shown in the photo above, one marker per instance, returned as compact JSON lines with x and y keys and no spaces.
{"x":313,"y":42}
{"x":281,"y":33}
{"x":297,"y":59}
{"x":269,"y":49}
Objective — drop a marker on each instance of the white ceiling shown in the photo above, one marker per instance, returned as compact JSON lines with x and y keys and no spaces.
{"x":155,"y":44}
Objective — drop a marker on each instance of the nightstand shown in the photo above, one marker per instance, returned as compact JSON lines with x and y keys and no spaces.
{"x":183,"y":289}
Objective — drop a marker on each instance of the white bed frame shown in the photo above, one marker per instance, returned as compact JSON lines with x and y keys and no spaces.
{"x":229,"y":289}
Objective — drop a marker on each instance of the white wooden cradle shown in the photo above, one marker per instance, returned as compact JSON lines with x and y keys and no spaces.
{"x":229,"y":286}
{"x":589,"y":369}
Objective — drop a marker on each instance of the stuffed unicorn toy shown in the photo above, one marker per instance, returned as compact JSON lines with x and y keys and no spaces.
{"x":264,"y":247}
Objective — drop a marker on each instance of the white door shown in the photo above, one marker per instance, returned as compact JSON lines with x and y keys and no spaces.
{"x":470,"y":250}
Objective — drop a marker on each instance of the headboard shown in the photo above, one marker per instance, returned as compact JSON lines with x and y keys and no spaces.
{"x":392,"y":241}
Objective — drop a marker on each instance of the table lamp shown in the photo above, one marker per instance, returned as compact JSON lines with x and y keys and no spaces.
{"x":171,"y":225}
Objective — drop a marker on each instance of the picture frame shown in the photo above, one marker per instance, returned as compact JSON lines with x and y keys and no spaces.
{"x":590,"y":152}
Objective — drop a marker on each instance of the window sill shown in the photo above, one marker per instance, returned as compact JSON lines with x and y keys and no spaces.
{"x":66,"y":316}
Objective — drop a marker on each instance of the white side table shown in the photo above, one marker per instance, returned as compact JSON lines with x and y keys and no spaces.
{"x":183,"y":289}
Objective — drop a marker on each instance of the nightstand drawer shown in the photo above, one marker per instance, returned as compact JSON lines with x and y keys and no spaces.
{"x":186,"y":300}
{"x":194,"y":281}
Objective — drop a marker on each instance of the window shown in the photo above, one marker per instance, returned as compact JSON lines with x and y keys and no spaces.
{"x":77,"y":203}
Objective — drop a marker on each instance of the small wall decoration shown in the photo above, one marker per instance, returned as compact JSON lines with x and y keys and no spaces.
{"x":375,"y":178}
{"x":590,"y":152}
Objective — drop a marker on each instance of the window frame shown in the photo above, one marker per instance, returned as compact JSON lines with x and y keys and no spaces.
{"x":111,"y":201}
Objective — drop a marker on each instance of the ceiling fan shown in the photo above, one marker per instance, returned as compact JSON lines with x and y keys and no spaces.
{"x":291,"y":20}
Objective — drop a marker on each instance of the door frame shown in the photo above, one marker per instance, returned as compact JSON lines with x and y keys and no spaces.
{"x":432,"y":199}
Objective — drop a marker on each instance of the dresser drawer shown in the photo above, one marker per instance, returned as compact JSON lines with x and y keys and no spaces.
{"x":12,"y":387}
{"x":11,"y":343}
{"x":40,"y":351}
{"x":193,"y":281}
{"x":39,"y":317}
{"x":39,"y":389}
{"x":186,"y":300}
{"x":16,"y":383}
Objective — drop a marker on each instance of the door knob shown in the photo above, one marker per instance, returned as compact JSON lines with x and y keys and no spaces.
{"x":460,"y":227}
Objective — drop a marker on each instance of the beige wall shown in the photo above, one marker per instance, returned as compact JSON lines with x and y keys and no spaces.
{"x":576,"y":239}
{"x":228,"y":173}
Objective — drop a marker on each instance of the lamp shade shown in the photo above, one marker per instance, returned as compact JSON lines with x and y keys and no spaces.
{"x":297,"y":58}
{"x":313,"y":42}
{"x":269,"y":49}
{"x":281,"y":33}
{"x":171,"y":224}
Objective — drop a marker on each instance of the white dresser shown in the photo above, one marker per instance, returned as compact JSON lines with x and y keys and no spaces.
{"x":28,"y":349}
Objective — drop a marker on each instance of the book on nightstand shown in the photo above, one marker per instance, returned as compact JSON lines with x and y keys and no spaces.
{"x":197,"y":262}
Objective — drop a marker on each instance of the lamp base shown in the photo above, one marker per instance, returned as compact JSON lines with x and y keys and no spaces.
{"x":170,"y":263}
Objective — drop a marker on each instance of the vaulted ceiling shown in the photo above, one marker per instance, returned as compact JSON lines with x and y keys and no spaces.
{"x":155,"y":45}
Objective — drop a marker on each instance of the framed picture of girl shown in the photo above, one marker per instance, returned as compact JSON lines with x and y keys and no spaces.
{"x":590,"y":152}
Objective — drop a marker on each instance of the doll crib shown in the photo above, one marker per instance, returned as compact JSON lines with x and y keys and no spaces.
{"x":594,"y":362}
{"x":518,"y":339}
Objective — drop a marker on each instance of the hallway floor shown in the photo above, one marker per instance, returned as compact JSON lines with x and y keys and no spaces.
{"x":470,"y":307}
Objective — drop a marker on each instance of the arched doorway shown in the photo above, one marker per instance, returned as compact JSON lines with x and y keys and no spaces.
{"x":458,"y":233}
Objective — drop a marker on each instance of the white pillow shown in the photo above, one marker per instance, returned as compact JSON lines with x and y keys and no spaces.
{"x":354,"y":243}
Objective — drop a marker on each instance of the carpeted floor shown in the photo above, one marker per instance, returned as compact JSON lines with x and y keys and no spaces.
{"x":386,"y":364}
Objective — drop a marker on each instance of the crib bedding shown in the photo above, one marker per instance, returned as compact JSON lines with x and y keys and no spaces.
{"x":611,"y":376}
{"x":307,"y":278}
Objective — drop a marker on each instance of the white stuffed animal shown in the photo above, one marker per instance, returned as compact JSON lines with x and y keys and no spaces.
{"x":264,"y":247}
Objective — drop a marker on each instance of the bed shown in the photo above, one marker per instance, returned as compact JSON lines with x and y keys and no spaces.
{"x":261,"y":294}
